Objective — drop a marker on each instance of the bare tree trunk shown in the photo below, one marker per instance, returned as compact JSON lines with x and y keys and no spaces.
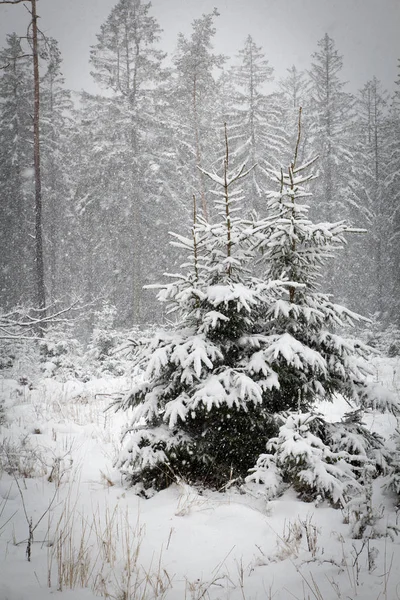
{"x":40,"y":287}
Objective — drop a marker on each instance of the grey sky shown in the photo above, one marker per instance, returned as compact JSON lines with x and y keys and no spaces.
{"x":366,"y":32}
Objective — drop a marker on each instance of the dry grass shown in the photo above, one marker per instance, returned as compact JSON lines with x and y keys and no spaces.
{"x":103,"y":552}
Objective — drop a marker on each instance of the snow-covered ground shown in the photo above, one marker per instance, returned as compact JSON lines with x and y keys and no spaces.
{"x":91,"y":537}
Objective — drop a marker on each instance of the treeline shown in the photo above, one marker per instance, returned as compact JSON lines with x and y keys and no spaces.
{"x":120,"y":169}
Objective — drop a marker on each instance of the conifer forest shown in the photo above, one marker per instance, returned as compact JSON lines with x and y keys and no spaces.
{"x":199,"y":299}
{"x":119,"y":170}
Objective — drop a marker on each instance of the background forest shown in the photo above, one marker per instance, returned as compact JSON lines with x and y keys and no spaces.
{"x":119,"y":169}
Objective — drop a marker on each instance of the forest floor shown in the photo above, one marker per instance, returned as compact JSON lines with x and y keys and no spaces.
{"x":64,"y":506}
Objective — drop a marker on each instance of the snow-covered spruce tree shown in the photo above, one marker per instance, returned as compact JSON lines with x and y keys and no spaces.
{"x":198,"y":411}
{"x":104,"y":341}
{"x":311,"y":362}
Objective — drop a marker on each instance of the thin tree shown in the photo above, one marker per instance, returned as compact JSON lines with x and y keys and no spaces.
{"x":392,"y":187}
{"x":369,"y":200}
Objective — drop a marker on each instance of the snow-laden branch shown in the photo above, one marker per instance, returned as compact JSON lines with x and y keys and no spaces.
{"x":240,"y":173}
{"x":14,"y":323}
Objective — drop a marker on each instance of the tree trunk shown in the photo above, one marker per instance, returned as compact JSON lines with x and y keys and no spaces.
{"x":40,"y":287}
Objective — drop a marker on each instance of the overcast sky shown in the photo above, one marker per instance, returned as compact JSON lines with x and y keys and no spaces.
{"x":366,"y":32}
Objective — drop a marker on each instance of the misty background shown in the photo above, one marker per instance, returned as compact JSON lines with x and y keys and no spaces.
{"x":132,"y":103}
{"x":366,"y":31}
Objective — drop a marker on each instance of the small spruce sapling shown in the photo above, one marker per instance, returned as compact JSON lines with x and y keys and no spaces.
{"x":392,"y":483}
{"x":104,"y":342}
{"x":368,"y":521}
{"x":60,"y":353}
{"x":311,"y":361}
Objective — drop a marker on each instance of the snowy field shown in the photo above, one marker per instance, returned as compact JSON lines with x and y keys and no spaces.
{"x":64,"y":506}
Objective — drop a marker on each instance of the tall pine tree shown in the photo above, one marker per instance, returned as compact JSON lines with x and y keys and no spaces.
{"x":331,"y":113}
{"x":16,"y":175}
{"x":258,"y":122}
{"x":393,"y":200}
{"x":368,"y":204}
{"x":126,"y":155}
{"x":193,"y":97}
{"x":55,"y":131}
{"x":332,"y":110}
